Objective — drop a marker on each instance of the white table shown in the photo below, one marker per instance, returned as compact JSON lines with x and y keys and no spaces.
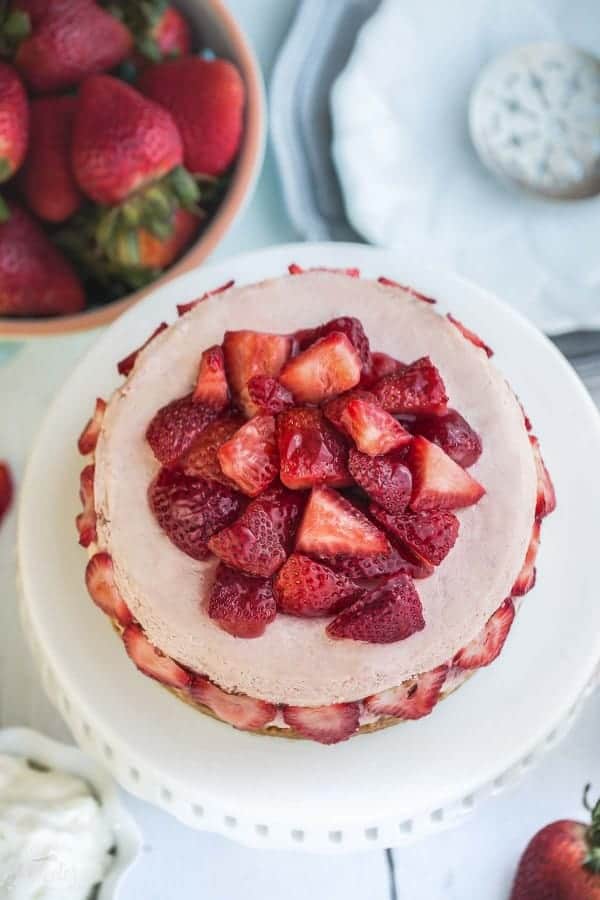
{"x":474,"y":861}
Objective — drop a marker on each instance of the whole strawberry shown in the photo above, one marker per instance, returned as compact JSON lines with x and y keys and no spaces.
{"x":562,"y":862}
{"x":121,"y":140}
{"x":14,"y":121}
{"x":206,"y":99}
{"x":69,"y":40}
{"x":47,"y":179}
{"x":35,"y":278}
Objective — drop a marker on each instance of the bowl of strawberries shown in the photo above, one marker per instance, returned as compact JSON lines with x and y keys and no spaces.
{"x":131,"y":136}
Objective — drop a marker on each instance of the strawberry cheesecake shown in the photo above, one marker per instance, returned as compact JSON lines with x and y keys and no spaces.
{"x":312,"y":506}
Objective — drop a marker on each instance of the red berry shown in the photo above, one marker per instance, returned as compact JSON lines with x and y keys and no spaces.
{"x":102,"y":587}
{"x":546,"y":496}
{"x":211,"y":386}
{"x":241,"y":605}
{"x":413,"y":699}
{"x":373,"y":430}
{"x":430,"y":535}
{"x":268,"y":394}
{"x":325,"y":724}
{"x":471,"y":336}
{"x":125,"y":366}
{"x":176,"y":426}
{"x":380,"y":365}
{"x":14,"y":122}
{"x":310,"y":451}
{"x":191,"y":510}
{"x":183,"y":308}
{"x":90,"y":434}
{"x":347,"y":325}
{"x":249,"y":353}
{"x":152,"y":661}
{"x":374,"y":567}
{"x":241,"y":711}
{"x":6,"y":490}
{"x":418,"y":389}
{"x":439,"y":482}
{"x":484,"y":649}
{"x":382,"y":616}
{"x":526,"y":577}
{"x":86,"y":520}
{"x":307,"y":588}
{"x":389,"y":282}
{"x":386,"y":479}
{"x":328,"y":367}
{"x":250,"y":458}
{"x":453,"y":434}
{"x":332,"y":526}
{"x":201,"y":460}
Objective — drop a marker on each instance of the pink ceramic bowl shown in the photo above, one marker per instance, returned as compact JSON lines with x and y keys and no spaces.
{"x":216,"y":28}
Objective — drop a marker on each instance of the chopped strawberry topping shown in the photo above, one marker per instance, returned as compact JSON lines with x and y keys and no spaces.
{"x":373,"y":430}
{"x":241,"y":605}
{"x":310,"y":451}
{"x":250,"y":458}
{"x":176,"y":426}
{"x":249,"y":353}
{"x":268,"y":394}
{"x":183,"y":308}
{"x":6,"y":489}
{"x":380,"y":365}
{"x":374,"y":567}
{"x":386,"y":479}
{"x":151,"y":661}
{"x":439,"y":482}
{"x":382,"y":616}
{"x":211,"y":386}
{"x":127,"y":364}
{"x":453,"y":434}
{"x":89,"y":436}
{"x":484,"y":649}
{"x":471,"y":336}
{"x":100,"y":581}
{"x":307,"y":588}
{"x":334,"y":409}
{"x":295,"y":269}
{"x":418,"y":389}
{"x":413,"y":699}
{"x":241,"y":711}
{"x":201,"y":460}
{"x":526,"y":577}
{"x":389,"y":282}
{"x":325,"y":724}
{"x":347,"y":325}
{"x":546,"y":496}
{"x":332,"y":526}
{"x":328,"y":367}
{"x":258,"y":542}
{"x":86,"y":520}
{"x":190,"y":510}
{"x":431,"y":535}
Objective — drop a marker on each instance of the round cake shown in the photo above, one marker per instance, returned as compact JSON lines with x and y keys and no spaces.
{"x":313,"y":504}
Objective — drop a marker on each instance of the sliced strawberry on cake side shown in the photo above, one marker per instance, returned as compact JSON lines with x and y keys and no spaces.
{"x":201,"y":460}
{"x":526,"y":578}
{"x":439,"y":482}
{"x":382,"y":616}
{"x":470,"y":336}
{"x":373,"y":430}
{"x":413,"y":699}
{"x":246,"y":713}
{"x":190,"y":510}
{"x":324,"y":724}
{"x":386,"y":479}
{"x":102,"y":588}
{"x":240,"y":604}
{"x":430,"y":535}
{"x":211,"y":386}
{"x":249,"y":353}
{"x":328,"y":367}
{"x":332,"y":526}
{"x":419,"y":389}
{"x":183,"y":308}
{"x":311,"y":451}
{"x":152,"y":661}
{"x":175,"y":427}
{"x":258,"y":543}
{"x":453,"y":434}
{"x":86,"y":520}
{"x":125,"y":366}
{"x":306,"y":588}
{"x":546,"y":496}
{"x":484,"y":649}
{"x":90,"y":434}
{"x":250,"y":457}
{"x":389,"y":282}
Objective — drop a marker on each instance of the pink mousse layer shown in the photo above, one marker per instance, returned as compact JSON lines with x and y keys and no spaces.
{"x":295,"y":662}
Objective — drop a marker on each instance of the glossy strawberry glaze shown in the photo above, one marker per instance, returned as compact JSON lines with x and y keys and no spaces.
{"x":295,"y":662}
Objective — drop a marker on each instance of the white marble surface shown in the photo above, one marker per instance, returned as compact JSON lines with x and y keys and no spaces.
{"x":473,"y":862}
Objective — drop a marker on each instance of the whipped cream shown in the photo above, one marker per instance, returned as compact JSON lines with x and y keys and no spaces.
{"x":54,"y":841}
{"x":295,"y":661}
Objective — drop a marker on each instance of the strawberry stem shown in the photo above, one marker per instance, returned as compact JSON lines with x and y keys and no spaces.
{"x":4,"y":211}
{"x":592,"y":860}
{"x":15,"y":26}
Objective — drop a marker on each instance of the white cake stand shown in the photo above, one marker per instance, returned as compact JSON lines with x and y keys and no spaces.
{"x":379,"y":789}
